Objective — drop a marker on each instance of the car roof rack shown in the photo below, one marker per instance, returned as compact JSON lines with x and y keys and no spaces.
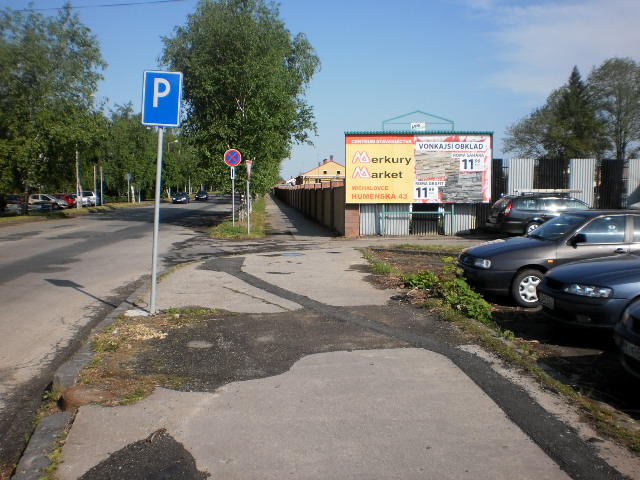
{"x":538,"y":191}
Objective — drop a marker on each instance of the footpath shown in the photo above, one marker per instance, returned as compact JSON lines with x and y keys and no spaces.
{"x":378,"y":401}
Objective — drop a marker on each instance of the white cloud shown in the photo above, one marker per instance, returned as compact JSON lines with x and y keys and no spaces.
{"x":537,"y":46}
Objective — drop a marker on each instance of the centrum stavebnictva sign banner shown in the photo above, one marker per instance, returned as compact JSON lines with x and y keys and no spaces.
{"x":418,"y":168}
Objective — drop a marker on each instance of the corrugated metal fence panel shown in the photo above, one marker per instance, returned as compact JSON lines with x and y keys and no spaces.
{"x":582,"y":174}
{"x":633,"y":182}
{"x":459,"y":217}
{"x":370,"y":216}
{"x":423,"y":223}
{"x":521,"y":174}
{"x":385,"y":219}
{"x":397,"y":219}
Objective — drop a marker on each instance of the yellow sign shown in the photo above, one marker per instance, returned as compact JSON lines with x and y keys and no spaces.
{"x":379,"y":169}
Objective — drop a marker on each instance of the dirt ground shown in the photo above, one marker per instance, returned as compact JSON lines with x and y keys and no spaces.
{"x":589,"y":361}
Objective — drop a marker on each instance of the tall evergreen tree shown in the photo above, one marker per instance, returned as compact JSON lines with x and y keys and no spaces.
{"x":567,"y":126}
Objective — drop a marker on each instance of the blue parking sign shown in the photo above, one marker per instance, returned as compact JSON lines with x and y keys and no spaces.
{"x":161,"y":98}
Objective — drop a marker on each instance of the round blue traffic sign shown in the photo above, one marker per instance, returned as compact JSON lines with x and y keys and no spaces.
{"x":232,"y":157}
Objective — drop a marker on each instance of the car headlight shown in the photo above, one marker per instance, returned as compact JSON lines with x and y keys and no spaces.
{"x":587,"y":290}
{"x":482,"y":263}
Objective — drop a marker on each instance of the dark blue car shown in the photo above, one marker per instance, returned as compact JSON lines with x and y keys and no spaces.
{"x":180,"y":197}
{"x":592,"y":293}
{"x":202,"y":195}
{"x":627,"y":337}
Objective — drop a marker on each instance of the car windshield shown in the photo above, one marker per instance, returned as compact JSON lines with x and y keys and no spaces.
{"x":557,"y":227}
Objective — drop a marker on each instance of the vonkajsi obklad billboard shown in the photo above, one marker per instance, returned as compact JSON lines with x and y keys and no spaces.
{"x":418,"y":168}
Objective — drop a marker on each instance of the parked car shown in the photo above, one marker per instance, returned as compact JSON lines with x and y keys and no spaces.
{"x":70,"y":200}
{"x":13,"y":202}
{"x":515,"y":266}
{"x":627,"y":336}
{"x":524,"y":213}
{"x":90,"y":198}
{"x":45,"y":201}
{"x":180,"y":197}
{"x":85,"y":200}
{"x":202,"y":195}
{"x":591,"y":293}
{"x":13,"y":199}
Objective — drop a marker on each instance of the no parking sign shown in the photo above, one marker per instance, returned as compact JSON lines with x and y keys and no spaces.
{"x":232,"y":157}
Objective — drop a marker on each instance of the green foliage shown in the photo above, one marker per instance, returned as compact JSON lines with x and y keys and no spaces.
{"x":128,"y":147}
{"x":227,"y":229}
{"x":453,"y":290}
{"x":423,"y":280}
{"x":585,"y":119}
{"x":567,"y":126}
{"x":48,"y":74}
{"x":460,"y":296}
{"x":245,"y":77}
{"x":381,"y":268}
{"x":615,"y":87}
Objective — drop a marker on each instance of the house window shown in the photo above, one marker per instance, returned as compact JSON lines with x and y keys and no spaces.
{"x":324,"y":172}
{"x":338,"y":172}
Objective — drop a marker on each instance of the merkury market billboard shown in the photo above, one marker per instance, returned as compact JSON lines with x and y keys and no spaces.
{"x":418,"y":168}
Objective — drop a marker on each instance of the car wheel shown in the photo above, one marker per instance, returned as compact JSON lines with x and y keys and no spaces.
{"x":524,"y":288}
{"x":531,"y":227}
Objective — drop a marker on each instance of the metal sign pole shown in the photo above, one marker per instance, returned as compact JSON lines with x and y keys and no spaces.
{"x":161,"y":99}
{"x":156,"y":223}
{"x":249,"y":165}
{"x":233,"y":195}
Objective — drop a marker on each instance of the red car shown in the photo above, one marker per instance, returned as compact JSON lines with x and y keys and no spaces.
{"x":71,"y":200}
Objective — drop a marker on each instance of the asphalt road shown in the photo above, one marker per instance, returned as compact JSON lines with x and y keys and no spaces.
{"x":58,"y":278}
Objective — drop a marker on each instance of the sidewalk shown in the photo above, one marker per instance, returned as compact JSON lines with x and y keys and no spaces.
{"x":410,"y":410}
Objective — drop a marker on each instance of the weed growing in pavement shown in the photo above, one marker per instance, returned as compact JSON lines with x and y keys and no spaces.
{"x":191,"y":311}
{"x":55,"y":458}
{"x":453,"y":289}
{"x":107,"y":341}
{"x":429,"y":248}
{"x":378,"y":267}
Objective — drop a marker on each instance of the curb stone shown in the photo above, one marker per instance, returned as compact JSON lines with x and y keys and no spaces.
{"x":35,"y":458}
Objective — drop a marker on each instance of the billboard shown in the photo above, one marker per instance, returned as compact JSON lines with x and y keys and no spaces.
{"x":418,"y":168}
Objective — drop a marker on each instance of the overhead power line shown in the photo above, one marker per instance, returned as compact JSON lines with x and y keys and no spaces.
{"x":103,"y":5}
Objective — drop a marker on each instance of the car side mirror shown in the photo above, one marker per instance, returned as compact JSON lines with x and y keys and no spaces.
{"x":578,"y":238}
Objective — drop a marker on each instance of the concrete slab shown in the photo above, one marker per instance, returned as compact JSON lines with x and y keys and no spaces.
{"x":385,"y":414}
{"x":334,"y":276}
{"x":188,"y":286}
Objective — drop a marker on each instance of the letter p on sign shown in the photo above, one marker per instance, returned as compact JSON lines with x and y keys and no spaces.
{"x":156,"y":89}
{"x":161,"y":98}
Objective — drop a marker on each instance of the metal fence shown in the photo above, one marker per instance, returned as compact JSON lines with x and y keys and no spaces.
{"x":602,"y":183}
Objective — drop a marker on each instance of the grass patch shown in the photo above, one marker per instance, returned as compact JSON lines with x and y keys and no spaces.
{"x":191,"y":311}
{"x":379,"y":267}
{"x":116,"y":348}
{"x":436,"y":248}
{"x":243,"y":229}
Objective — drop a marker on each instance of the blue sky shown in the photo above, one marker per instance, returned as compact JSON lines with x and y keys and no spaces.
{"x":484,"y":64}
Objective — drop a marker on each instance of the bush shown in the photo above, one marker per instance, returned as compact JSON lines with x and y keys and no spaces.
{"x":453,"y":290}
